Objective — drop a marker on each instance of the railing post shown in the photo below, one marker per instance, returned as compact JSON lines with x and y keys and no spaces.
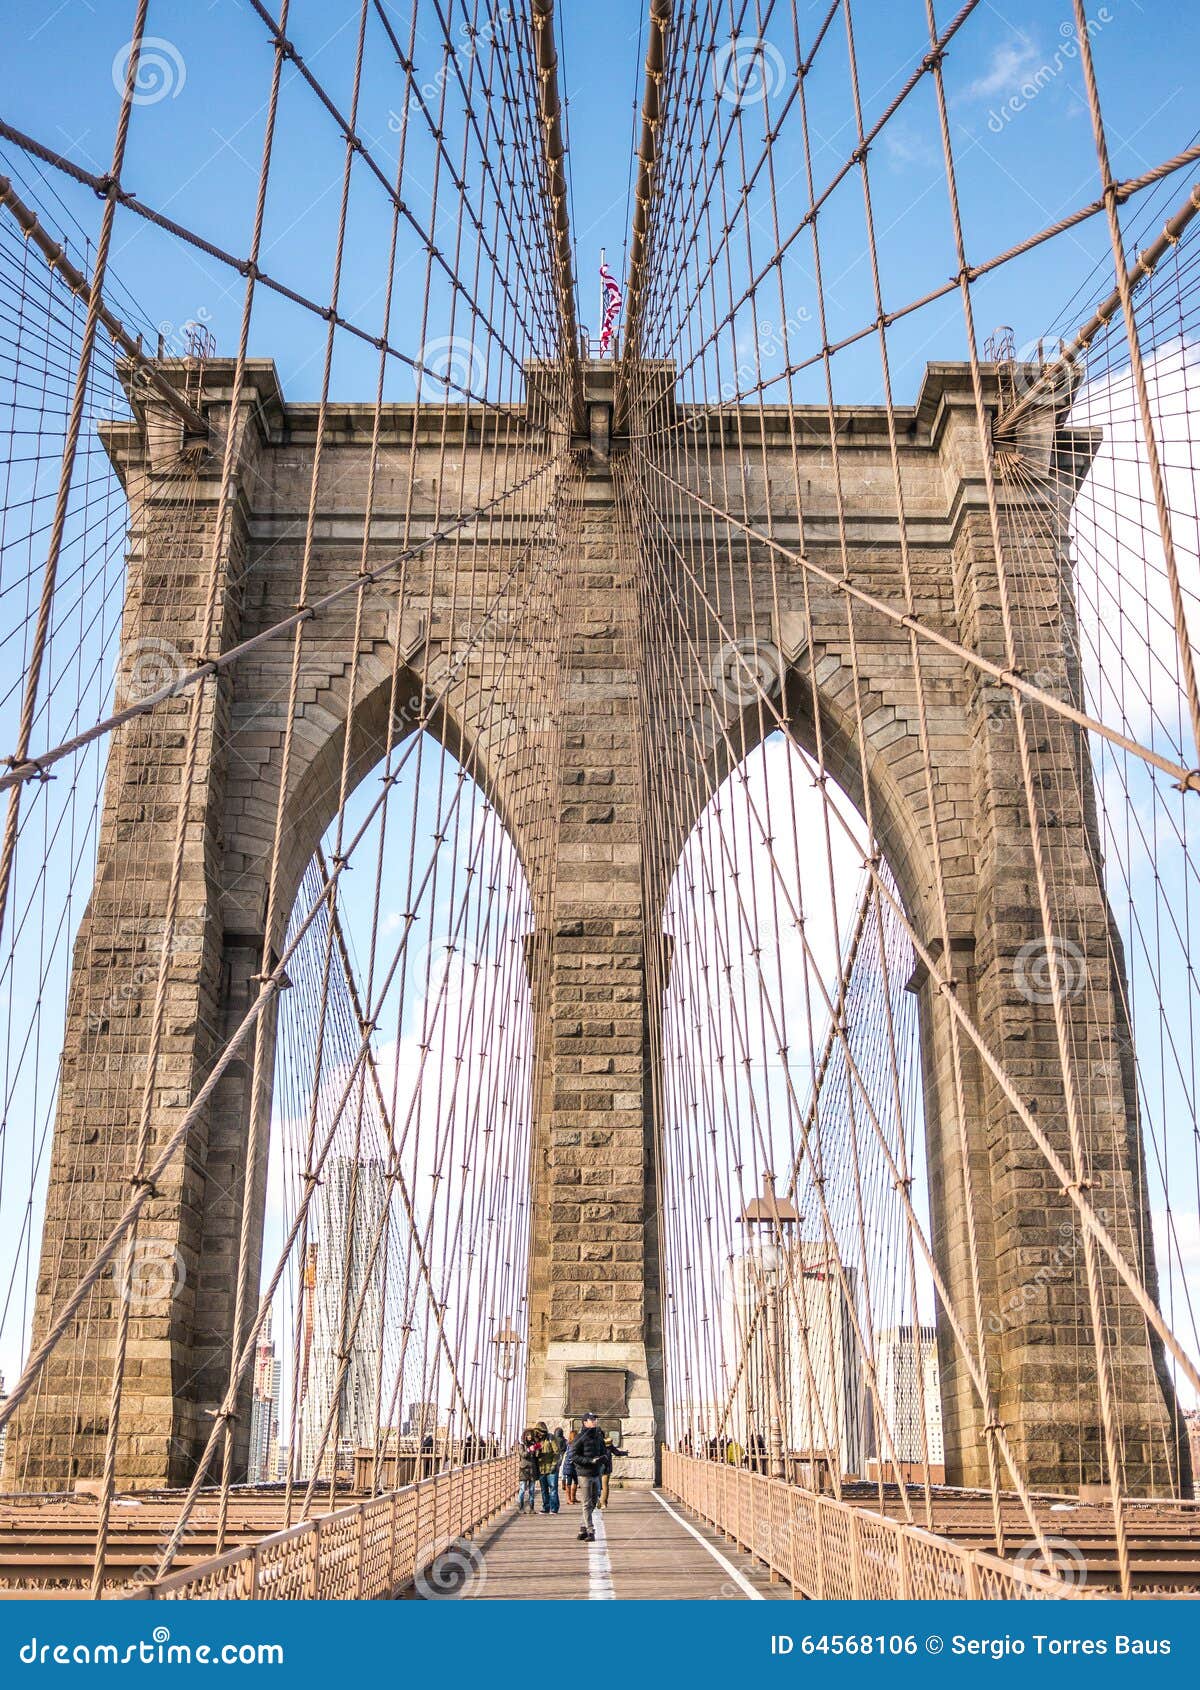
{"x":972,"y":1576}
{"x":362,"y":1530}
{"x":819,"y":1526}
{"x":855,"y":1558}
{"x":772,"y":1551}
{"x":903,"y":1572}
{"x":314,"y":1571}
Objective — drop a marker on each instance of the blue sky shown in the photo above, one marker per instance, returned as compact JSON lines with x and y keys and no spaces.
{"x":1020,"y":129}
{"x":1024,"y":161}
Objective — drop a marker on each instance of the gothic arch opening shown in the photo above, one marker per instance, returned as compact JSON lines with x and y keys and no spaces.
{"x":799,"y":1330}
{"x":402,"y":1083}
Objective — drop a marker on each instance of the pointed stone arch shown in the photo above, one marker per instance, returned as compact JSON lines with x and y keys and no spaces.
{"x":594,"y":1298}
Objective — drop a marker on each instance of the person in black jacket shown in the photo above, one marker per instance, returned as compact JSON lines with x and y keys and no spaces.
{"x":528,"y":1469}
{"x":590,"y":1460}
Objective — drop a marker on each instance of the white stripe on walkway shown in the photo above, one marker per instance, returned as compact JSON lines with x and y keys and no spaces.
{"x":742,"y":1582}
{"x":600,"y":1584}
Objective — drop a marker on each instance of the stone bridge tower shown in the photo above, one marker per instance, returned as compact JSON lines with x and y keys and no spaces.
{"x":594,"y":1301}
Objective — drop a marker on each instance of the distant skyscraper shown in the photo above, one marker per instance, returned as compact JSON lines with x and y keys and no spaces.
{"x":421,"y":1420}
{"x":907,"y":1371}
{"x":791,"y":1327}
{"x":3,"y":1429}
{"x":342,"y":1273}
{"x":264,"y":1410}
{"x":1192,"y":1419}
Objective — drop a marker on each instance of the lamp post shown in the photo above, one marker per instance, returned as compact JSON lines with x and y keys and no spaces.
{"x":768,"y":1221}
{"x":508,"y":1353}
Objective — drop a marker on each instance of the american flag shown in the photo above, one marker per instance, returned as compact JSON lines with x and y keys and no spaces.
{"x":610,"y":288}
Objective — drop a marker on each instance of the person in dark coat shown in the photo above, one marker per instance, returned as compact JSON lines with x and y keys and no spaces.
{"x":589,"y":1462}
{"x":529,"y":1471}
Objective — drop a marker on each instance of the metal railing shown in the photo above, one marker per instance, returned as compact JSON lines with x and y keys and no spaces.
{"x":834,"y":1551}
{"x":372,"y":1549}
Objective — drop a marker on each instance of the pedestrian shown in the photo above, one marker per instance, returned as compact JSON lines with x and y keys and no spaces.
{"x":589,"y":1457}
{"x":562,"y":1446}
{"x":528,"y":1470}
{"x":568,"y":1477}
{"x":548,"y":1459}
{"x":610,"y":1449}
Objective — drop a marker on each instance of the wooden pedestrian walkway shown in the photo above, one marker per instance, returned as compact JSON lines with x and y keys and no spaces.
{"x":647,"y":1548}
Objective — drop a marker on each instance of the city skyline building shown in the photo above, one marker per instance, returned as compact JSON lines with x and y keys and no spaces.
{"x":350,"y":1206}
{"x":1192,"y":1420}
{"x":265,"y":1406}
{"x":909,"y":1384}
{"x":796,"y":1371}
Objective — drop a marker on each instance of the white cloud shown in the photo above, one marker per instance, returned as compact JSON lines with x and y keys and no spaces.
{"x":1005,"y":69}
{"x":906,"y":147}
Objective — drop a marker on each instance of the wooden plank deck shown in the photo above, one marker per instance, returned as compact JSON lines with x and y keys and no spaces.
{"x":644,"y":1551}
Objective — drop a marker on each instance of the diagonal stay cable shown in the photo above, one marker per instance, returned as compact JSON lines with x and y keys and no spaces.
{"x":269,"y":988}
{"x":1188,"y":780}
{"x":35,"y":767}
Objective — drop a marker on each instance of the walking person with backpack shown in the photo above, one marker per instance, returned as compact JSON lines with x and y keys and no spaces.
{"x":589,"y":1461}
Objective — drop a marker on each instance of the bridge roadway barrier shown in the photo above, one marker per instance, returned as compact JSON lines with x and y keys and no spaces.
{"x":370,"y":1550}
{"x":415,"y":1538}
{"x":836,"y":1551}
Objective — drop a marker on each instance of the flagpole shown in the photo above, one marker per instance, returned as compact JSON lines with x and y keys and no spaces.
{"x":603,"y":301}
